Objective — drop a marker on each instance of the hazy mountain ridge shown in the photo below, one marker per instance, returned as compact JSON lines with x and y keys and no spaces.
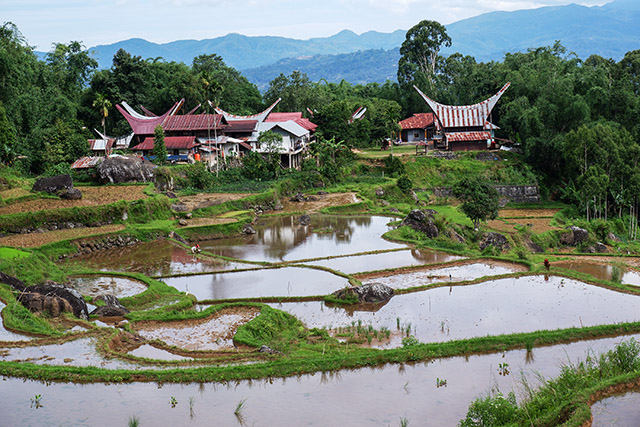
{"x":610,"y":31}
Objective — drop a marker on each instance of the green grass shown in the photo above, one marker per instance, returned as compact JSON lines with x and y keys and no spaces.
{"x":10,"y":253}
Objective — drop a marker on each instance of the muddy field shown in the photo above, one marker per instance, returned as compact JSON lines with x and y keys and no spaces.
{"x":537,"y":225}
{"x":91,"y":196}
{"x":324,"y":201}
{"x":38,"y":239}
{"x":528,"y":213}
{"x":205,"y":200}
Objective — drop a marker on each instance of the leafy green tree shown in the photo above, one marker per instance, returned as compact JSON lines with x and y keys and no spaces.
{"x":7,"y":137}
{"x":103,"y":105}
{"x":480,"y":201}
{"x":296,"y":92}
{"x":271,"y":142}
{"x":159,"y":147}
{"x":419,"y":52}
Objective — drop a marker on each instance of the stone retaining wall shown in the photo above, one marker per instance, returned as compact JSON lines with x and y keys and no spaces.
{"x":515,"y":193}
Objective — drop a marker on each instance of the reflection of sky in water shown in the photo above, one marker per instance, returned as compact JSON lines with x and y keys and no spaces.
{"x":620,"y":411}
{"x":455,"y":274}
{"x":157,"y":258}
{"x":495,"y":307}
{"x":602,"y":271}
{"x":8,"y":335}
{"x":282,"y":238}
{"x":404,"y":258}
{"x":150,"y":352}
{"x":289,"y":281}
{"x":385,"y":394}
{"x":119,"y":287}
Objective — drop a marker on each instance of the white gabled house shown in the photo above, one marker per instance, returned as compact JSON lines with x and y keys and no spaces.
{"x":295,"y":140}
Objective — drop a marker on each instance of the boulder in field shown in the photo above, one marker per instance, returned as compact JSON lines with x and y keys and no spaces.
{"x":125,"y":169}
{"x":53,"y":184}
{"x":370,"y":292}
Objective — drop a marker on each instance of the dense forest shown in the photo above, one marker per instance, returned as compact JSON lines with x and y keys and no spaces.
{"x":575,"y":121}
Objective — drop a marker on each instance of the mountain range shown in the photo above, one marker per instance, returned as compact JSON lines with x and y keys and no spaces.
{"x":610,"y":31}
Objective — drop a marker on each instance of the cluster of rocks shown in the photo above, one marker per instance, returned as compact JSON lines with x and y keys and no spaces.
{"x":86,"y":247}
{"x":487,"y":156}
{"x":448,"y":155}
{"x":60,"y":185}
{"x":368,"y":293}
{"x":119,"y":169}
{"x":51,"y":226}
{"x":576,"y":236}
{"x":299,"y":197}
{"x":304,"y":220}
{"x":422,"y":221}
{"x":496,"y":240}
{"x":50,"y":297}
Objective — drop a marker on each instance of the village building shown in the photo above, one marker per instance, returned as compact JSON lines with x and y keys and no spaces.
{"x":464,"y":127}
{"x":421,"y":127}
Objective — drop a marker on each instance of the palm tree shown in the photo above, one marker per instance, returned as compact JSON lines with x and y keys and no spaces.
{"x":103,"y":104}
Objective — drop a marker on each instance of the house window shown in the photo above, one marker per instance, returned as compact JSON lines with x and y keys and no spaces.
{"x":416,"y":134}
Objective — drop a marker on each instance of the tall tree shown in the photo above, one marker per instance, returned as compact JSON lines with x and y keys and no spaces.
{"x":419,"y":52}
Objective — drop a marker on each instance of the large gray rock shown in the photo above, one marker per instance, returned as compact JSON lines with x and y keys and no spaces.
{"x":125,"y":169}
{"x":370,"y":292}
{"x":573,"y":236}
{"x":53,"y":298}
{"x":422,"y":222}
{"x":70,"y":194}
{"x":53,"y":184}
{"x":496,"y":240}
{"x":304,"y":220}
{"x":113,"y":308}
{"x":248,"y":229}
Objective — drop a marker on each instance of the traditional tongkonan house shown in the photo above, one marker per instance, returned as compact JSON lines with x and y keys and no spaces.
{"x":464,"y":127}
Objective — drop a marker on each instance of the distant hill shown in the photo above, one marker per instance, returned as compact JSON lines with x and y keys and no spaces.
{"x":243,"y":52}
{"x":610,"y":31}
{"x":376,"y":65}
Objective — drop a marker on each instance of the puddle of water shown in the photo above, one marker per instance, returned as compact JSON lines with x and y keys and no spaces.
{"x":8,"y":335}
{"x":447,"y":274}
{"x":157,"y":258}
{"x":119,"y":287}
{"x":80,"y":352}
{"x":496,"y":307}
{"x":289,"y":281}
{"x":215,"y":333}
{"x":385,"y":394}
{"x":283,"y":239}
{"x":406,"y":258}
{"x":621,"y":411}
{"x":150,"y":352}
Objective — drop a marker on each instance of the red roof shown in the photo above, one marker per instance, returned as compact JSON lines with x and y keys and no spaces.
{"x":418,"y":121}
{"x":296,"y":117}
{"x":468,"y":136}
{"x":241,"y":126}
{"x":192,"y":122}
{"x":172,"y":143}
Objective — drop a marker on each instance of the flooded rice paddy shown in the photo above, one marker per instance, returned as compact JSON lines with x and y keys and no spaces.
{"x":119,"y":287}
{"x":603,"y":271}
{"x":370,"y":396}
{"x":494,"y":307}
{"x":378,"y":396}
{"x":619,"y":411}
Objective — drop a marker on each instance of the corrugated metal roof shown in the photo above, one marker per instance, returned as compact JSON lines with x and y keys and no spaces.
{"x":468,"y":136}
{"x":418,"y":121}
{"x":171,"y":142}
{"x":459,"y":116}
{"x":193,"y":122}
{"x":289,"y":126}
{"x":295,"y":117}
{"x":259,"y":117}
{"x":241,"y":126}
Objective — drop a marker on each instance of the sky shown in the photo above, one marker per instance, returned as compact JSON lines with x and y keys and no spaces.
{"x":95,"y":22}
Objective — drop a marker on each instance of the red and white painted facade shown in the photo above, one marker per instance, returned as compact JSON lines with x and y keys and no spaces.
{"x":465,"y":127}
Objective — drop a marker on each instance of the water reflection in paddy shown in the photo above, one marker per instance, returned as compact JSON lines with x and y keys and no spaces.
{"x":6,"y":335}
{"x":620,"y":411}
{"x":496,"y":307}
{"x":150,"y":352}
{"x":289,"y":281}
{"x":79,"y":352}
{"x":214,"y":333}
{"x":117,"y":286}
{"x":602,"y":271}
{"x":282,"y":238}
{"x":448,"y":274}
{"x":404,"y":258}
{"x":157,"y":258}
{"x":384,"y":395}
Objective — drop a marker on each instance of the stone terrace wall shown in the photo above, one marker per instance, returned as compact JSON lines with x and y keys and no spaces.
{"x":515,"y":193}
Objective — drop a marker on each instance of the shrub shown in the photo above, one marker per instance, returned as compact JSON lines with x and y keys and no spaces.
{"x":198,"y":176}
{"x":404,"y":183}
{"x":393,"y":166}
